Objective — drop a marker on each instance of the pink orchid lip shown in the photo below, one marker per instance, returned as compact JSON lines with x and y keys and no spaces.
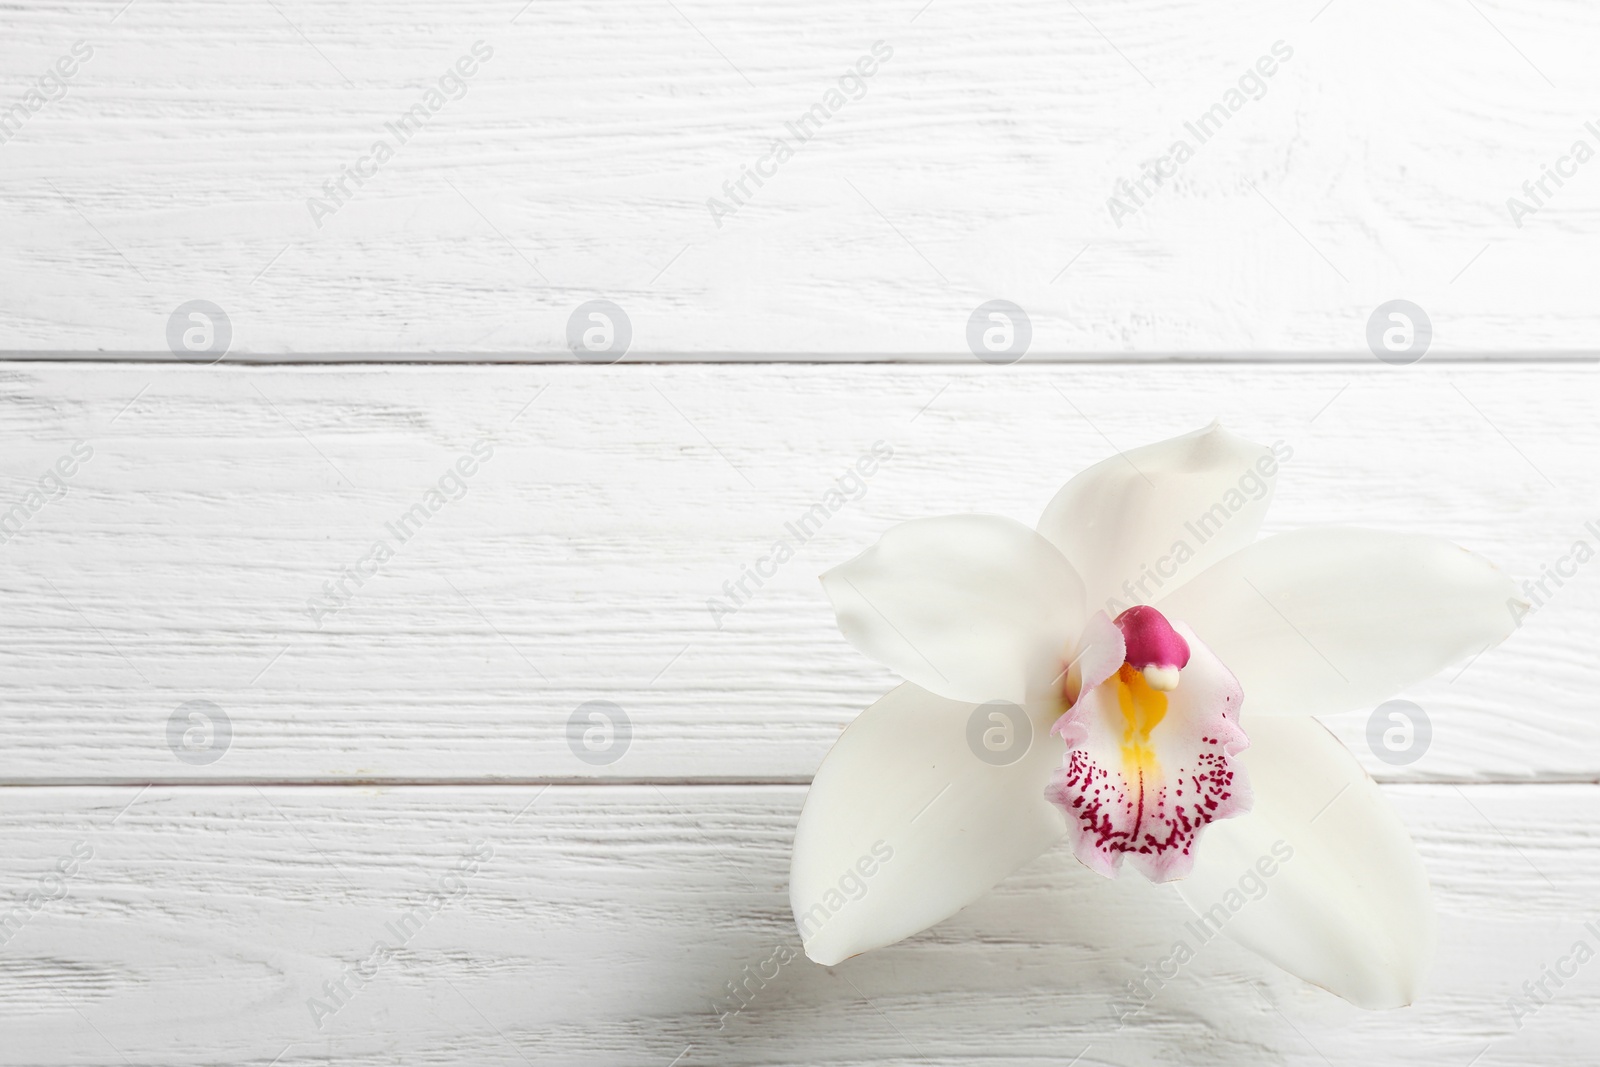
{"x":1154,"y":648}
{"x":1149,"y":764}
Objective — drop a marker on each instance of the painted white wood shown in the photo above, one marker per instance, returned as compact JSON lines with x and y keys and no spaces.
{"x":606,"y":922}
{"x":205,"y":506}
{"x":978,"y":164}
{"x":579,"y":563}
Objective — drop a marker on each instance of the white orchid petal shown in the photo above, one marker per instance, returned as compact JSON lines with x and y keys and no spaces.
{"x":905,"y":824}
{"x":972,"y":607}
{"x":1320,"y":877}
{"x":1100,"y":652}
{"x":1155,"y":516}
{"x":1326,"y":620}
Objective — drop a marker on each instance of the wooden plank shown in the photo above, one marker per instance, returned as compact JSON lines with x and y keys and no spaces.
{"x":602,"y":924}
{"x":978,"y":162}
{"x":578,"y":562}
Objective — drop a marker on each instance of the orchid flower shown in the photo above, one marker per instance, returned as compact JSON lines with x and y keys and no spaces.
{"x":1158,"y":669}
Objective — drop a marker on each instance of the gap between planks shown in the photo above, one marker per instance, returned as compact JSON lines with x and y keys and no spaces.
{"x":673,"y":781}
{"x":1554,"y":357}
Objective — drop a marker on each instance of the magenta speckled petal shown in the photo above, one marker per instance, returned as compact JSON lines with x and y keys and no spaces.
{"x":1146,"y":770}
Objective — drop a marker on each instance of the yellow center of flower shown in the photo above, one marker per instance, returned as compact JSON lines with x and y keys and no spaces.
{"x":1143,"y":707}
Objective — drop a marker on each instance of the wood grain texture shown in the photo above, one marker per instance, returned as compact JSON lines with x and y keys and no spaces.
{"x":978,"y":163}
{"x":171,"y":534}
{"x":606,"y":922}
{"x":579,"y":562}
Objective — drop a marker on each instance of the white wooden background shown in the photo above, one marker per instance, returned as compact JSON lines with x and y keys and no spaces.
{"x":427,"y":717}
